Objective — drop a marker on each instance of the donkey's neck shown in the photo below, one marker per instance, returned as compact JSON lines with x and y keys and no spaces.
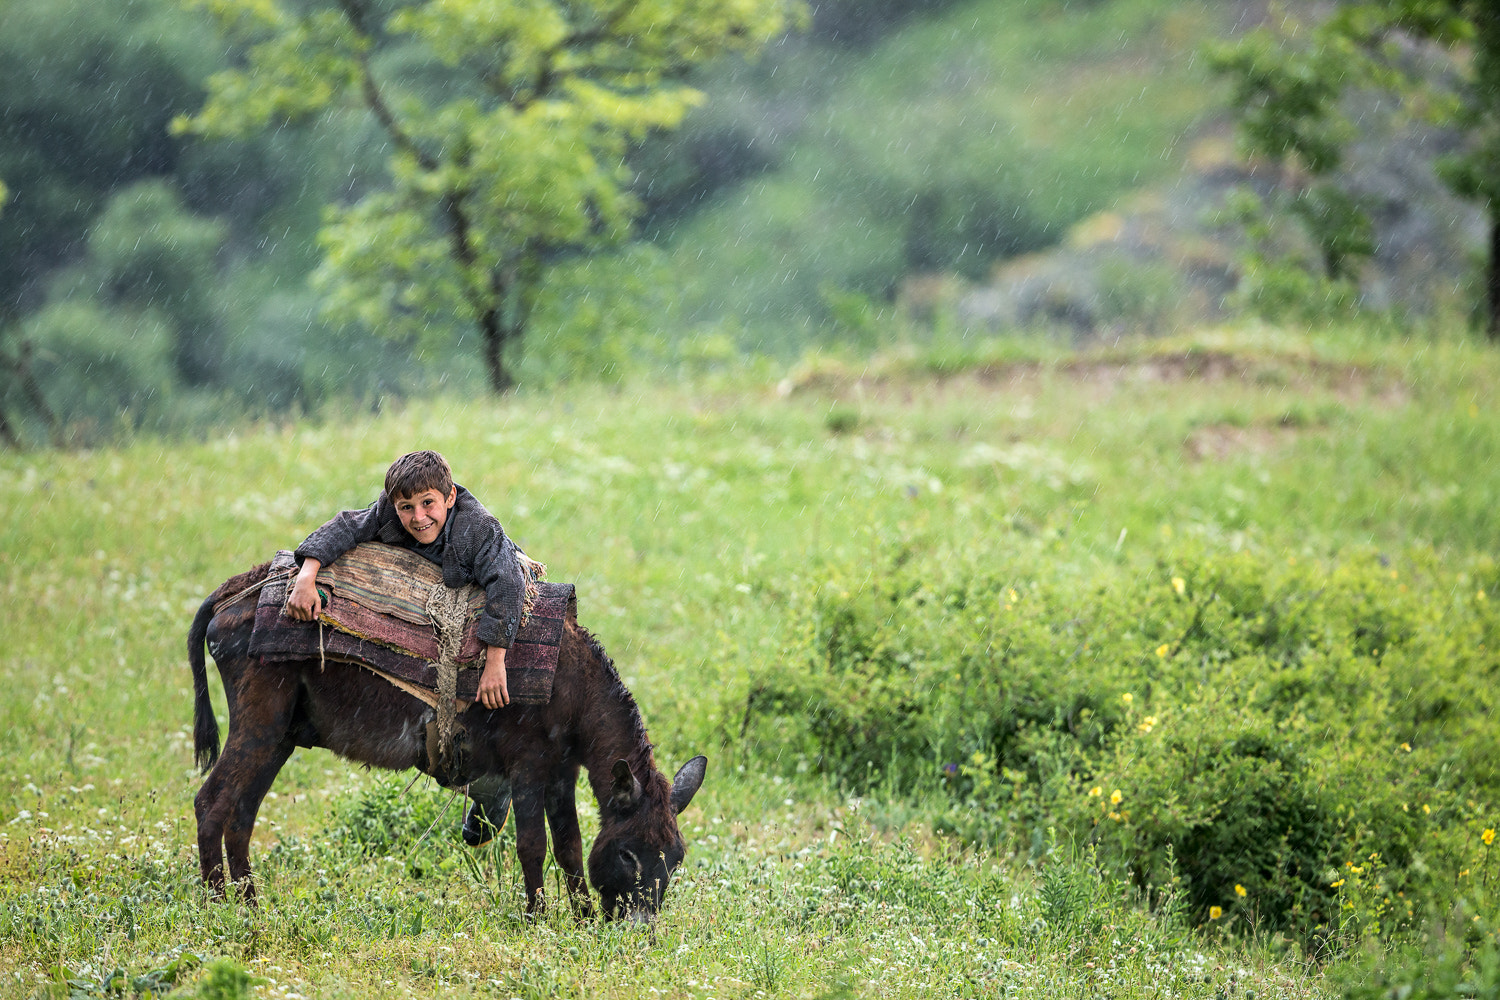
{"x":617,"y":731}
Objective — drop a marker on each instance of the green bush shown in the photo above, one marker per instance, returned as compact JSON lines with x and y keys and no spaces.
{"x":1308,"y":747}
{"x":390,"y":816}
{"x":1446,"y":969}
{"x":102,"y":370}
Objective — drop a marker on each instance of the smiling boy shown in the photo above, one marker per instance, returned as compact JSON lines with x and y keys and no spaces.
{"x":422,"y":509}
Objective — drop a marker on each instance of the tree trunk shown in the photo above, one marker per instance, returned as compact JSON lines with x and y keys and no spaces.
{"x":1492,"y":276}
{"x":8,"y":433}
{"x":492,"y":328}
{"x":21,"y":366}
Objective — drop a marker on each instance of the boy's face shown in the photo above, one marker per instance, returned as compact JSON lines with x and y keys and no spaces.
{"x":424,"y":514}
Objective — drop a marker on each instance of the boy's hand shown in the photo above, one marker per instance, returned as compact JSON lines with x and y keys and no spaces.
{"x":492,"y":690}
{"x":304,"y":604}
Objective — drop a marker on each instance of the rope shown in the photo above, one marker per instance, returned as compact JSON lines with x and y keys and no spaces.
{"x":272,"y":578}
{"x":448,"y":611}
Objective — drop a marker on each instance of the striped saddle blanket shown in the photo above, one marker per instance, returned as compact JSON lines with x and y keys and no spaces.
{"x":375,"y":614}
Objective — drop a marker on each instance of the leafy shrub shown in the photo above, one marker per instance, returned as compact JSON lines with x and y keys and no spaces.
{"x":389,"y":816}
{"x":1307,"y":747}
{"x":102,"y":370}
{"x":1412,"y":973}
{"x":225,"y":979}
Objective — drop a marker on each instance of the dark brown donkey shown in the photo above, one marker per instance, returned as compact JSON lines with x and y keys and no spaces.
{"x":591,"y":721}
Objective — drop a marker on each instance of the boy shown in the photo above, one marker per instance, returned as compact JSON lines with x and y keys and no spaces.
{"x":423,"y":510}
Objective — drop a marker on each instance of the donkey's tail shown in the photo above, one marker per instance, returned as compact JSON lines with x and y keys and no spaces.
{"x":205,"y":725}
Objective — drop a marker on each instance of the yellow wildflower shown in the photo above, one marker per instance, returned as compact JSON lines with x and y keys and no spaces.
{"x":1163,"y":650}
{"x":1335,"y":885}
{"x":1115,"y":816}
{"x":1147,"y":724}
{"x":1179,"y":585}
{"x":1127,"y":697}
{"x":1215,"y":912}
{"x":1406,"y":747}
{"x":1426,"y":809}
{"x":1488,"y":836}
{"x":1239,"y":891}
{"x":1115,"y":798}
{"x":1095,"y":792}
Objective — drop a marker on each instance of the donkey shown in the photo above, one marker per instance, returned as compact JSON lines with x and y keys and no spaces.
{"x":591,"y":721}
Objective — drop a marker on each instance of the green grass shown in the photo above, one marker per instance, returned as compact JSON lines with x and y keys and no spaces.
{"x":703,"y":521}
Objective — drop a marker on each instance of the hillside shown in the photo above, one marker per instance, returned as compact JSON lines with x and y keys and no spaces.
{"x":973,"y":135}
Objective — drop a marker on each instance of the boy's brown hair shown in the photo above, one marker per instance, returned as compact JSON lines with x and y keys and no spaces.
{"x":418,"y":472}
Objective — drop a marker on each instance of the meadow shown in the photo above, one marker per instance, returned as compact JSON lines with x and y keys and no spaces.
{"x":1160,"y":669}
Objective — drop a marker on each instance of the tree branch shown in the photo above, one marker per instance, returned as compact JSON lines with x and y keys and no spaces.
{"x":375,"y":100}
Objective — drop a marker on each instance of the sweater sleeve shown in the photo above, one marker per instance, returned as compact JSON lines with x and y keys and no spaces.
{"x":345,"y":530}
{"x":498,"y":571}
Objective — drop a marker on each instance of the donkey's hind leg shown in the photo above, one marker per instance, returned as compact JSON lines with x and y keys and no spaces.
{"x":259,"y":744}
{"x":242,"y":815}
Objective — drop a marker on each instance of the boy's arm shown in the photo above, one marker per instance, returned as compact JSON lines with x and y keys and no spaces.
{"x":343,"y":531}
{"x":303,"y":603}
{"x":493,"y":692}
{"x":498,"y":572}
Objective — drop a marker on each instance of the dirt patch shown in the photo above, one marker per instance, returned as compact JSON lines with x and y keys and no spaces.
{"x":1218,"y":442}
{"x":902,"y":380}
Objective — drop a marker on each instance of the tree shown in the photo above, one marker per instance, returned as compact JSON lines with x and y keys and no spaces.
{"x":1439,"y":59}
{"x":90,"y":90}
{"x":507,"y":124}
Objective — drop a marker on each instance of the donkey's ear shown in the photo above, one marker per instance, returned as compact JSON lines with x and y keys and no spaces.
{"x":627,"y":790}
{"x":689,"y":779}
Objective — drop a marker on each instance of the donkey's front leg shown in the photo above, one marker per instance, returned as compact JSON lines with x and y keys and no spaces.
{"x":527,"y":799}
{"x":567,"y":840}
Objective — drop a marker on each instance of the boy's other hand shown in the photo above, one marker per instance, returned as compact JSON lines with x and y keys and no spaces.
{"x":304,"y":603}
{"x":492,"y":690}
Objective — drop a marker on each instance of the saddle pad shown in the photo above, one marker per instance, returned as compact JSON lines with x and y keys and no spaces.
{"x":379,"y":592}
{"x":530,"y":664}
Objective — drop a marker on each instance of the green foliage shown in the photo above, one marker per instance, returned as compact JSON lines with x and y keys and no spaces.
{"x":1299,"y":274}
{"x":908,"y":162}
{"x":145,"y":252}
{"x":116,"y":982}
{"x":224,"y":979}
{"x":1251,"y":727}
{"x":507,"y":126}
{"x":106,"y":370}
{"x":388,"y":816}
{"x":1291,"y":90}
{"x":89,"y":90}
{"x":1445,"y":969}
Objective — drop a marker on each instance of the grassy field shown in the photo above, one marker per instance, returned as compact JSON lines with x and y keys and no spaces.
{"x":714,"y":528}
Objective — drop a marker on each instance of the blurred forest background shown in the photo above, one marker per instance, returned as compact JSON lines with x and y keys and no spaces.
{"x":887,"y":169}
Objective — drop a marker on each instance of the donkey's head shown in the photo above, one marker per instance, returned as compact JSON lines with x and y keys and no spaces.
{"x":639,"y":845}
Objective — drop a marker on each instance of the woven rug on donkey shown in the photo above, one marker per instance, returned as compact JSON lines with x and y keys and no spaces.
{"x":354,"y":632}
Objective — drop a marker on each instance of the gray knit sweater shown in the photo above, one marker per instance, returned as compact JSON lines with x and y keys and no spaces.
{"x":477,"y":551}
